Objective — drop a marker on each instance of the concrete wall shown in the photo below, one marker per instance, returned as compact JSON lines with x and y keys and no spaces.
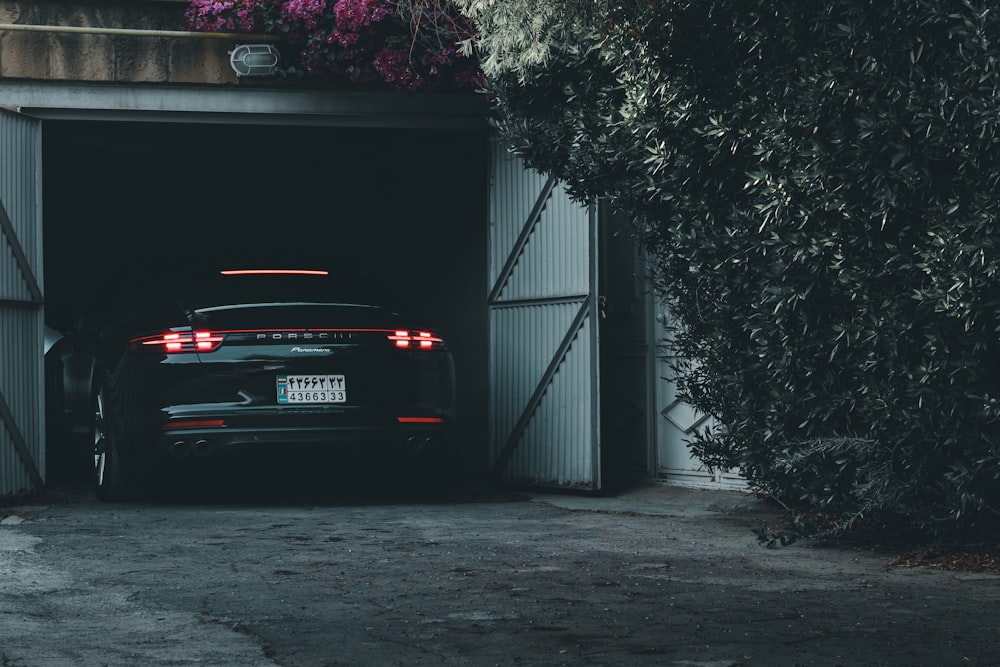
{"x":53,"y":56}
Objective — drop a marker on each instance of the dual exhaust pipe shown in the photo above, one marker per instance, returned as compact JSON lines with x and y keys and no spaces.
{"x":418,"y":444}
{"x":183,"y":449}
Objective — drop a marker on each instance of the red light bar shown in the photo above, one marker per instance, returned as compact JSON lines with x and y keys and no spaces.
{"x":271,"y":272}
{"x":420,"y":420}
{"x":194,"y":423}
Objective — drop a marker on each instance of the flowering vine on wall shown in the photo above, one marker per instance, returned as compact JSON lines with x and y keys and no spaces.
{"x":356,"y":43}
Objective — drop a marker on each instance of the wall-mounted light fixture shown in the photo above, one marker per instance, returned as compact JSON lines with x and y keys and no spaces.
{"x":254,"y":60}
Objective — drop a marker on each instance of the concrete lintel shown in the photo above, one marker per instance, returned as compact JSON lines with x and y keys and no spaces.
{"x":242,"y":104}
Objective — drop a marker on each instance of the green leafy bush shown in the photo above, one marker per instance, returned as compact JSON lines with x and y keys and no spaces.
{"x":819,"y":183}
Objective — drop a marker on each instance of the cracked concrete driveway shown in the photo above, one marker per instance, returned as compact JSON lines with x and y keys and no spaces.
{"x":656,"y":575}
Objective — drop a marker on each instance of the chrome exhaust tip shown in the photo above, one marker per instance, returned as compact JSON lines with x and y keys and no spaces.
{"x":202,"y":448}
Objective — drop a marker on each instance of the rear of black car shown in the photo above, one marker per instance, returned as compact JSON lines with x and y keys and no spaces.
{"x":212,"y":363}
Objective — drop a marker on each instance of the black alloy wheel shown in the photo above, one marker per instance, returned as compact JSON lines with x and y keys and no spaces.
{"x":109,"y":470}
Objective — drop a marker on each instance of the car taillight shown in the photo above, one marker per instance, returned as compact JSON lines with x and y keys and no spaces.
{"x":179,"y":341}
{"x":416,"y":340}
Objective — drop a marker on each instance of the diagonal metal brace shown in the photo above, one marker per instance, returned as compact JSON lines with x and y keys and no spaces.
{"x":7,"y":227}
{"x":522,"y":240}
{"x":522,"y":423}
{"x":19,"y":443}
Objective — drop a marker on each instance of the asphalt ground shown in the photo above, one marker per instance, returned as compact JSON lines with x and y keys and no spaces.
{"x":367,"y":574}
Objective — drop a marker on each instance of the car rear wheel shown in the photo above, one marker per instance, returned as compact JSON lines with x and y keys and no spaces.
{"x":110,"y":472}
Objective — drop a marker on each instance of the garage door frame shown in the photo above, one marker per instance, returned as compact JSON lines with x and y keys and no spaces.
{"x":26,"y":105}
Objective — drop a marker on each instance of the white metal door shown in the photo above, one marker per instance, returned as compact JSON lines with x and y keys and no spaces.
{"x":544,"y":417}
{"x":22,"y":402}
{"x":676,"y":421}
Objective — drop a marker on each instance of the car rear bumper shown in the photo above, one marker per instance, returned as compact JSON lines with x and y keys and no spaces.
{"x":403,"y":441}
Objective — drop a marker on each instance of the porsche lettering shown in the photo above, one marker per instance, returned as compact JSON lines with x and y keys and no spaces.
{"x":306,"y":335}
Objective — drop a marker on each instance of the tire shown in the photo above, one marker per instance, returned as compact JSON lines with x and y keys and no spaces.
{"x":112,"y":477}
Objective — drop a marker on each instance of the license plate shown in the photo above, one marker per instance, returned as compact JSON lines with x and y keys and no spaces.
{"x":312,"y":389}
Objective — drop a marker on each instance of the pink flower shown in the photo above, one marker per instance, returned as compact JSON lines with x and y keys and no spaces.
{"x":353,"y":42}
{"x":308,"y":12}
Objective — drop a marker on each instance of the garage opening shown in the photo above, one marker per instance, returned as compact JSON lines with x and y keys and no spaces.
{"x":411,"y":206}
{"x":404,"y":206}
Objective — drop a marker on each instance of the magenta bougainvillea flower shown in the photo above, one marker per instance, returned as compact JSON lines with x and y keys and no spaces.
{"x":357,"y":43}
{"x":227,"y":16}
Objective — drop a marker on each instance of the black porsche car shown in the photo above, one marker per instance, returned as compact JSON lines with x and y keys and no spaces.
{"x":187,"y":366}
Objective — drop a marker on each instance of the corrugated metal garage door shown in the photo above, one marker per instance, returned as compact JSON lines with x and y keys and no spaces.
{"x":22,"y":403}
{"x":544,"y":423}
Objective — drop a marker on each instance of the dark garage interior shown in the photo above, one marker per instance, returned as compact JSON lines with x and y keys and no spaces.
{"x":406,"y":207}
